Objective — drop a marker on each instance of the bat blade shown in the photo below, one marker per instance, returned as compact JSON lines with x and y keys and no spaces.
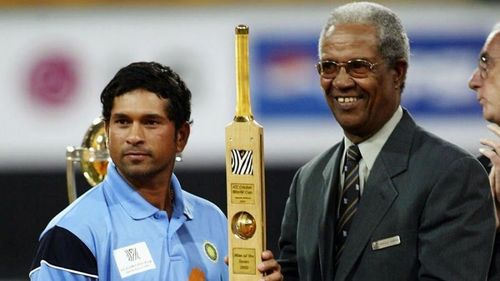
{"x":245,"y":199}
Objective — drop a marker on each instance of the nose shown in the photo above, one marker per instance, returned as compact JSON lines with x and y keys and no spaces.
{"x":343,"y":80}
{"x":135,"y":134}
{"x":475,"y":80}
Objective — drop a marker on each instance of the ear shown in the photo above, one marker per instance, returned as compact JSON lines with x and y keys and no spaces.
{"x":400,"y":69}
{"x":182,"y":136}
{"x":106,"y":129}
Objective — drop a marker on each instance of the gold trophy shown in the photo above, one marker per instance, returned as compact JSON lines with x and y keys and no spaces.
{"x":93,"y":157}
{"x":245,"y":176}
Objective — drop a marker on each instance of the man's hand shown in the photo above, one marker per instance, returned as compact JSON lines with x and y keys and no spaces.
{"x":493,"y":153}
{"x":269,"y":267}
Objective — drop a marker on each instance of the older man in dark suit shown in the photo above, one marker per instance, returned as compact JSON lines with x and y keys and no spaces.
{"x":485,"y":81}
{"x":390,"y":201}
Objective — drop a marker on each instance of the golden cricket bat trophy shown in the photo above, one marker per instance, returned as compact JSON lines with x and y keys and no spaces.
{"x":245,"y":176}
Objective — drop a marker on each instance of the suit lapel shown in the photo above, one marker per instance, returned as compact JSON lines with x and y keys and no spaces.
{"x":327,"y":222}
{"x":378,"y":195}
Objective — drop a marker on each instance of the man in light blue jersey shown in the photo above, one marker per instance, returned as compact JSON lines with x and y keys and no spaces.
{"x":138,"y":224}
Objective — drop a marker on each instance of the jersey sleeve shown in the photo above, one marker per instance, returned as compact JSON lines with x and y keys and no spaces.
{"x":61,"y":255}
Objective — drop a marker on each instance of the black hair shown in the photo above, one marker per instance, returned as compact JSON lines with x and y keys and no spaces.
{"x":155,"y":78}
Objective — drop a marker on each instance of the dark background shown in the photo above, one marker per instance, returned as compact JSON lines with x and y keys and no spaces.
{"x":31,"y":199}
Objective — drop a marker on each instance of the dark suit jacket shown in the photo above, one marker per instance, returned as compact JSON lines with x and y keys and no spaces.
{"x":434,"y":196}
{"x":494,"y":274}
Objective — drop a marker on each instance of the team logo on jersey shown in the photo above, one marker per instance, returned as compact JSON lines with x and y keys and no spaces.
{"x":210,"y":251}
{"x":133,"y":259}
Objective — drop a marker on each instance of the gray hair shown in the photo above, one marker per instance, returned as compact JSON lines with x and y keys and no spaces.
{"x":496,"y":28}
{"x":393,"y":41}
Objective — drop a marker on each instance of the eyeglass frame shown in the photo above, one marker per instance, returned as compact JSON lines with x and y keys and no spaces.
{"x":483,"y":63}
{"x":345,"y":65}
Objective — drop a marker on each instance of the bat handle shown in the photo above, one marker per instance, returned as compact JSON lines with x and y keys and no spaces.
{"x":243,"y":106}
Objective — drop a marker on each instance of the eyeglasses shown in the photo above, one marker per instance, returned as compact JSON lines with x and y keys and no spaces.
{"x":484,"y":62}
{"x":357,"y":68}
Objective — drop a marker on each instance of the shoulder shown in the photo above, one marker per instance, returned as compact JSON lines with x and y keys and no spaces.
{"x":424,"y":144}
{"x":432,"y":146}
{"x":84,"y":217}
{"x":431,"y":159}
{"x":83,"y":207}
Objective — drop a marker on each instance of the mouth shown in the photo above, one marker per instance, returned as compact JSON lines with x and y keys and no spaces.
{"x":481,"y":100}
{"x":347,"y":103}
{"x":346,"y":100}
{"x":136,"y":155}
{"x":135,"y":152}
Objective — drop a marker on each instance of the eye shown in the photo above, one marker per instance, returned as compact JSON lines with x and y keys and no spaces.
{"x":483,"y":62}
{"x":151,"y":122}
{"x":121,"y":121}
{"x":483,"y":59}
{"x":359,"y":67}
{"x":329,"y":67}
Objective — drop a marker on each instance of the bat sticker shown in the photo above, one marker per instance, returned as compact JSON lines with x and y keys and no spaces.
{"x":241,"y":162}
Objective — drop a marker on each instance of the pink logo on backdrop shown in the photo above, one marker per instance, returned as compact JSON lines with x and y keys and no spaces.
{"x":53,"y":79}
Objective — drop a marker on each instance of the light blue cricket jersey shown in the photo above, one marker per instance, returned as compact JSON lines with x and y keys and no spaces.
{"x":112,"y":233}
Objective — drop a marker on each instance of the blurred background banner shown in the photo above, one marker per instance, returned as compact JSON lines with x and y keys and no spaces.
{"x":57,"y":56}
{"x":56,"y":61}
{"x":286,"y":83}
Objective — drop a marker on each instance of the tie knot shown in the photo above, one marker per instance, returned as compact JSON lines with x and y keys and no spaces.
{"x":353,"y":153}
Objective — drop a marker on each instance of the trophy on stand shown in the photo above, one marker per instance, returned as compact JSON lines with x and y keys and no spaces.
{"x":93,"y":157}
{"x":245,"y":176}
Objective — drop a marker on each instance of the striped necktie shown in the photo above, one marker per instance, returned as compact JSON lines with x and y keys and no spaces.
{"x":349,"y":198}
